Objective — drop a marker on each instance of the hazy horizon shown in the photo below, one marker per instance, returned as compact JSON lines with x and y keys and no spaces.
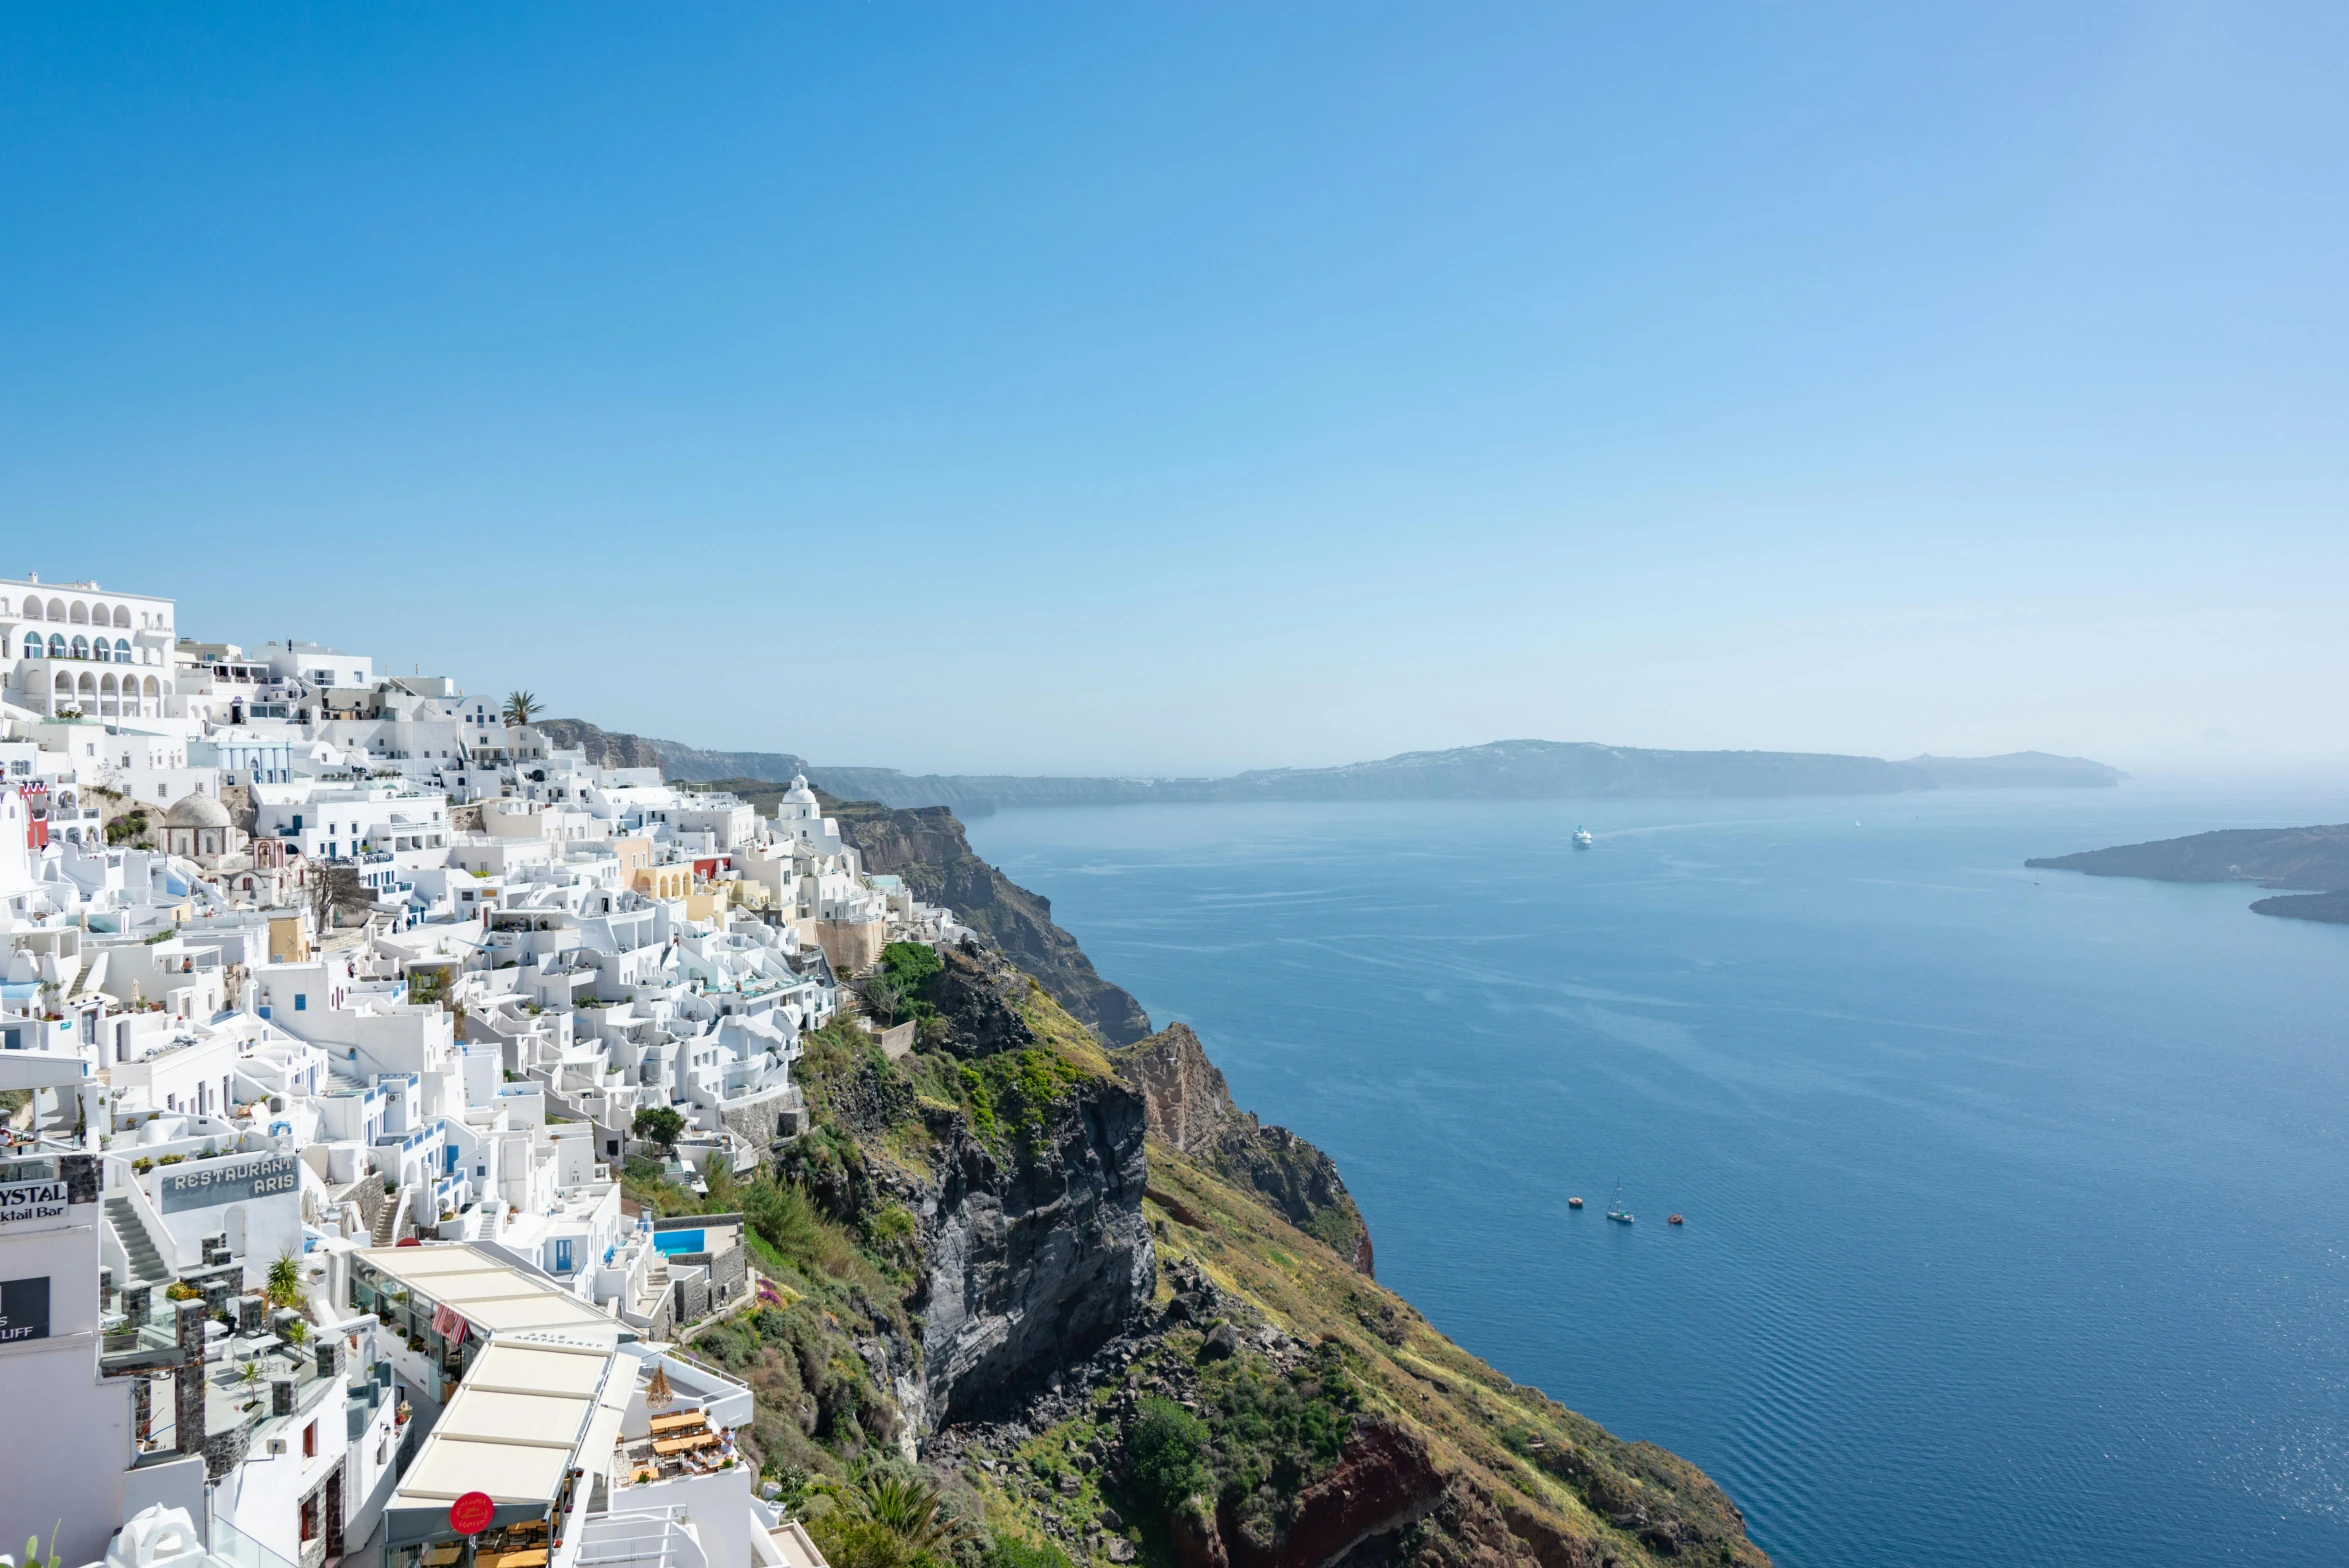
{"x":1146,"y":392}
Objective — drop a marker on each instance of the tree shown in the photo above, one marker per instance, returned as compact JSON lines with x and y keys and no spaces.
{"x":1166,"y":1453}
{"x":658,"y":1124}
{"x":522,"y":707}
{"x":884,"y":997}
{"x":335,"y":887}
{"x":717,"y":1175}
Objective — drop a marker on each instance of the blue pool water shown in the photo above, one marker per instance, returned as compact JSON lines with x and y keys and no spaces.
{"x":2016,"y":1201}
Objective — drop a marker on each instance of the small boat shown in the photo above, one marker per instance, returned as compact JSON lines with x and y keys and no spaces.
{"x":1582,"y":838}
{"x":1672,"y":1219}
{"x":1615,"y":1210}
{"x":1574,"y":1203}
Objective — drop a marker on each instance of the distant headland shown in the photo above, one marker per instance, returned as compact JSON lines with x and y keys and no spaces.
{"x":1502,"y":770}
{"x":2313,"y":862}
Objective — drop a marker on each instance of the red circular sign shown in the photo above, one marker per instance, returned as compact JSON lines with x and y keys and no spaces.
{"x":471,"y":1514}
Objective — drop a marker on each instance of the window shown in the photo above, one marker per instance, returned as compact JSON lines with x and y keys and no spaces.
{"x":301,"y":1001}
{"x":310,"y":1445}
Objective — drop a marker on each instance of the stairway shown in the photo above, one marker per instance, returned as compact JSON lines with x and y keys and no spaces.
{"x":146,"y":1265}
{"x":387,"y":1220}
{"x":656,"y":1286}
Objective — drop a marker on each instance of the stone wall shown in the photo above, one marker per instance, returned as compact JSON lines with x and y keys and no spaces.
{"x":852,"y":946}
{"x":759,"y":1121}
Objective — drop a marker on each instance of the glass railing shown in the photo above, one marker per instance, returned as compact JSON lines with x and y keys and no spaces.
{"x":237,"y":1547}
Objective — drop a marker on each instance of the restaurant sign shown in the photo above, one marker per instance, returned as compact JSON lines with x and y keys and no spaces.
{"x":209,"y":1183}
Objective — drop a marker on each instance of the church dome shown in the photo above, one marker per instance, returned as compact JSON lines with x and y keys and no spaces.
{"x":196,"y":811}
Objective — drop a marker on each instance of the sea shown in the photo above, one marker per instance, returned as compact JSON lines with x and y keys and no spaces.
{"x":2016,"y":1201}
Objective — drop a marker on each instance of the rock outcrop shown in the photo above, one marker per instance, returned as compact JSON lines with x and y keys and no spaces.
{"x":1033,"y":1262}
{"x":977,"y":995}
{"x":1383,"y":1481}
{"x":1190,"y":1108}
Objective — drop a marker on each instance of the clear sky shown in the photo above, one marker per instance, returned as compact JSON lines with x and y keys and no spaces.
{"x":1175,"y":388}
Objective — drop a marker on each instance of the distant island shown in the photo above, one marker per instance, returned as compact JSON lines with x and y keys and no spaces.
{"x":1502,"y":770}
{"x":2314,"y":860}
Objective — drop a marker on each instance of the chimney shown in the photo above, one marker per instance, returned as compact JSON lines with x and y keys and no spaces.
{"x":281,"y":1396}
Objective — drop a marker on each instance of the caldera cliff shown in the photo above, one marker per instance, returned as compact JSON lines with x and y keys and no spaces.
{"x":1042,"y":1262}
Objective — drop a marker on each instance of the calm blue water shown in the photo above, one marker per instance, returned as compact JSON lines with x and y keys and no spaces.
{"x":2016,"y":1201}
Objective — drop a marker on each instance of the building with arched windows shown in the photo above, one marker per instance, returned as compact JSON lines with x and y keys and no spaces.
{"x":76,"y":648}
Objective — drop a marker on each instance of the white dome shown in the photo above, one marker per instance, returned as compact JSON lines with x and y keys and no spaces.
{"x":196,"y":811}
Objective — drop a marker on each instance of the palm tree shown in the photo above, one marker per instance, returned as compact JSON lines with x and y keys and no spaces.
{"x":283,"y":1284}
{"x":908,"y":1510}
{"x":522,"y":707}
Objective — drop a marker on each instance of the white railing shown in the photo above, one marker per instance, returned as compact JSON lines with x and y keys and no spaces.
{"x":640,"y":1538}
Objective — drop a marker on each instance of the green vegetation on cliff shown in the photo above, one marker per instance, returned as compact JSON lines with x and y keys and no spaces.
{"x":1030,"y":1301}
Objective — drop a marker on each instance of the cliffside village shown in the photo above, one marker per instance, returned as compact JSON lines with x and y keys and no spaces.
{"x":333,"y":997}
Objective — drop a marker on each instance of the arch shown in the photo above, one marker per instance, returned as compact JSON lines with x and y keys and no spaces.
{"x":106,"y":686}
{"x":122,"y":650}
{"x":57,"y":645}
{"x":101,"y":652}
{"x":88,"y":684}
{"x":64,"y":684}
{"x":57,"y":609}
{"x":150,"y":687}
{"x":80,"y":615}
{"x":122,"y":616}
{"x":80,"y":648}
{"x":32,"y":608}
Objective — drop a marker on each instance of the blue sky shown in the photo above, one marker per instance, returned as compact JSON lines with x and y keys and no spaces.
{"x":1173,"y":389}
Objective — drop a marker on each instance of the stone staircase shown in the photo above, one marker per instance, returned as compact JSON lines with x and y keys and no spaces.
{"x":387,"y":1219}
{"x":146,"y":1265}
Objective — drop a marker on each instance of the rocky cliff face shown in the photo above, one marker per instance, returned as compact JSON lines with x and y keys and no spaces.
{"x":1034,"y":1261}
{"x":927,"y":848}
{"x":1190,"y":1109}
{"x":685,"y":764}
